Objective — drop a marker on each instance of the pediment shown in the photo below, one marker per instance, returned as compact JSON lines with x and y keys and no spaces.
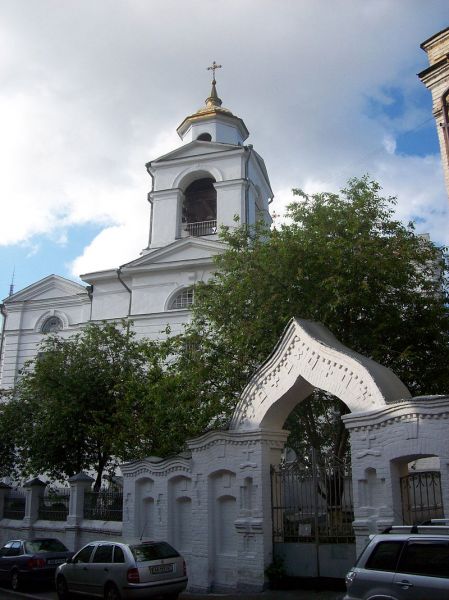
{"x":186,"y":250}
{"x":52,"y":286}
{"x":195,"y":148}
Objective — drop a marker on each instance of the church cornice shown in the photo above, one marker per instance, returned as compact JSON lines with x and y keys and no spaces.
{"x":435,"y":72}
{"x":147,"y":262}
{"x":214,"y":246}
{"x":174,"y":158}
{"x":434,"y":39}
{"x":427,"y":407}
{"x":194,"y":262}
{"x":65,"y":287}
{"x":44,"y":303}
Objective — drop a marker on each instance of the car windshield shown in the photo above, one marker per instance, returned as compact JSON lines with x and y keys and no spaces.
{"x":49,"y":545}
{"x":153,"y":551}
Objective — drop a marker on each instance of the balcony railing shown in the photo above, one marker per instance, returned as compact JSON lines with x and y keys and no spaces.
{"x":199,"y":228}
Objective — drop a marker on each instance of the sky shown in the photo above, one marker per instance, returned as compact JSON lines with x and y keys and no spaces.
{"x":91,"y":90}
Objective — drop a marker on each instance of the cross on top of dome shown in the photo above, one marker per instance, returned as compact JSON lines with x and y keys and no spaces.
{"x":213,"y":120}
{"x":213,"y":67}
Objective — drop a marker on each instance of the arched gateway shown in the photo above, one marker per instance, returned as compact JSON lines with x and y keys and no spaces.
{"x":223,"y":482}
{"x":308,"y":356}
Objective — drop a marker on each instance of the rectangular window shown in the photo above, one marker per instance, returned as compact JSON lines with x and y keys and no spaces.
{"x":119,"y":556}
{"x":425,"y":558}
{"x":103,"y":554}
{"x":385,"y":556}
{"x":156,"y":551}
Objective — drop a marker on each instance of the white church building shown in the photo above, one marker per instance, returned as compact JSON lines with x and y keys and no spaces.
{"x":197,"y":188}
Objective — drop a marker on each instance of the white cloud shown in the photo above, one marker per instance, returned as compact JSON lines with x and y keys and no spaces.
{"x":389,"y":144}
{"x":92,"y":91}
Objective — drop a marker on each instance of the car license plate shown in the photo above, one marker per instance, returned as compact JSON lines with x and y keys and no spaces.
{"x":55,"y":561}
{"x":159,"y":569}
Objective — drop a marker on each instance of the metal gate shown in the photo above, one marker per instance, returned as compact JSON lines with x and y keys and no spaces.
{"x":421,"y":497}
{"x":312,"y":505}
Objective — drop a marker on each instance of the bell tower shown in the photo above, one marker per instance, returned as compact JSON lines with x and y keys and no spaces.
{"x":210,"y":180}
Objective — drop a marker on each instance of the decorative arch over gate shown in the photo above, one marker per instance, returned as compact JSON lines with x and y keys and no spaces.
{"x":308,"y":356}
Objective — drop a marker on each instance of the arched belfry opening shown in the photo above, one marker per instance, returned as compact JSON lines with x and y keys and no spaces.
{"x":204,"y":137}
{"x":199,"y":208}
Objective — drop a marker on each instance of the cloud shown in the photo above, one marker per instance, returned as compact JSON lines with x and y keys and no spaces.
{"x":92,"y":91}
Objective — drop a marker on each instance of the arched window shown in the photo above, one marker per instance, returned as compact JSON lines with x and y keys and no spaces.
{"x":204,"y":137}
{"x":183,"y":299}
{"x":199,"y":210}
{"x":52,"y":325}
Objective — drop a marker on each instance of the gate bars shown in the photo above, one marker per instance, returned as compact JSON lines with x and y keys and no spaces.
{"x":312,"y":503}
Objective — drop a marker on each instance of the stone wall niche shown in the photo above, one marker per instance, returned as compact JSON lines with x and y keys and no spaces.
{"x":180,"y":514}
{"x":144,"y":520}
{"x":222,"y":531}
{"x":383,"y":444}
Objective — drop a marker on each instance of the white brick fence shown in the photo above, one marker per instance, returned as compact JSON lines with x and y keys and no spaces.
{"x":214,"y":502}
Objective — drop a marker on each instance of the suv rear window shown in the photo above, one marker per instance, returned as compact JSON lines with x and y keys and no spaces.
{"x":145,"y":552}
{"x":384,"y":556}
{"x":425,"y":558}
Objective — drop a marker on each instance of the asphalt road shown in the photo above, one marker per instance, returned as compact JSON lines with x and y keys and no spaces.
{"x":48,"y":594}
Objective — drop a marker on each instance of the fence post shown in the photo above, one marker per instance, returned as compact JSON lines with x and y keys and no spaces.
{"x":78,"y":485}
{"x":4,"y":489}
{"x":315,"y":476}
{"x":34,"y":490}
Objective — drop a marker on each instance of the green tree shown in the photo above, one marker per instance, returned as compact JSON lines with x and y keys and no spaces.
{"x":67,"y":405}
{"x":9,"y":458}
{"x":345,"y":261}
{"x":99,"y":398}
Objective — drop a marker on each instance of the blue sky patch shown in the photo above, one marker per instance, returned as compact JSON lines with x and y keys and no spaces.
{"x":420,"y":139}
{"x":42,"y":256}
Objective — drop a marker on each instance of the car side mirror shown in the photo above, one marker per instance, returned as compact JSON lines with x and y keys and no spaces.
{"x":69,"y":561}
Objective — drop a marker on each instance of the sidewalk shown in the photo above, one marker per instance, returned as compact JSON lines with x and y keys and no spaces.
{"x":269,"y":595}
{"x":266,"y":595}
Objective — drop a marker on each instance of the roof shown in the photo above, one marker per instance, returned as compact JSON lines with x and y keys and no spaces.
{"x":65,"y":287}
{"x":432,"y":37}
{"x":213,"y":109}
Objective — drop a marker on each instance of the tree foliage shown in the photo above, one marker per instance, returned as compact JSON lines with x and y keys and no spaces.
{"x":95,"y":399}
{"x":343,"y":260}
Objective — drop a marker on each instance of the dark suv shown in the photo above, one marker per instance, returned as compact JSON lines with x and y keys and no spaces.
{"x":408,"y":563}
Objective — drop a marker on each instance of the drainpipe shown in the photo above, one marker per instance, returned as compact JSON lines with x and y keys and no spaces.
{"x":90,"y":293}
{"x":3,"y":312}
{"x":150,"y":235}
{"x":249,"y":149}
{"x":445,"y":124}
{"x":126,"y":287}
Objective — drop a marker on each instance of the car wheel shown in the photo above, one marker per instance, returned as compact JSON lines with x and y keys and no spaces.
{"x":15,"y":580}
{"x":61,"y":589}
{"x":111,"y":593}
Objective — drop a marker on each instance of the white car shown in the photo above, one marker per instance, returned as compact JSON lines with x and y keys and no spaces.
{"x":118,"y":571}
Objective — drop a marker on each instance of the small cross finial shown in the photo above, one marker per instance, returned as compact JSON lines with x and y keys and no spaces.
{"x":212,"y":68}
